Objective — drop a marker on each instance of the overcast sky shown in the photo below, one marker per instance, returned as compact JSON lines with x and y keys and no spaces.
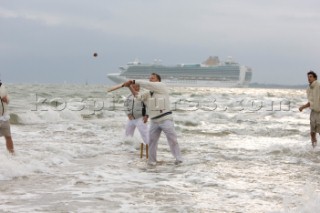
{"x":53,"y":41}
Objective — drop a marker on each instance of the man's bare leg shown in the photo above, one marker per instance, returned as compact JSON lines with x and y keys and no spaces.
{"x":9,"y":144}
{"x":313,"y":139}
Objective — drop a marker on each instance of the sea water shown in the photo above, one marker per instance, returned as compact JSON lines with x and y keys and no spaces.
{"x":244,"y":150}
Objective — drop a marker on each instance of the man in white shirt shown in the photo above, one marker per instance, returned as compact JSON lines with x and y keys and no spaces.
{"x":313,"y":94}
{"x":158,"y":105}
{"x":4,"y":118}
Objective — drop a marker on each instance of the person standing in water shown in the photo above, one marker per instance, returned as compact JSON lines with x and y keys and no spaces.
{"x":137,"y":118}
{"x":4,"y":119}
{"x":313,"y":95}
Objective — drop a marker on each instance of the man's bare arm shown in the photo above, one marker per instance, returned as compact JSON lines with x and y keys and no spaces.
{"x":133,"y":91}
{"x":5,"y":99}
{"x":304,"y":106}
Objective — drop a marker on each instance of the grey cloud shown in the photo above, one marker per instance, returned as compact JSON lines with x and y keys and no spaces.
{"x":53,"y":41}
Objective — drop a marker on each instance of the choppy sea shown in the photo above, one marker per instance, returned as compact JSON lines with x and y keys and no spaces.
{"x":245,"y":150}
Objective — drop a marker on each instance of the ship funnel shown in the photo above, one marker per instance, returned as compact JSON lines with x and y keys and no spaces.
{"x":211,"y":61}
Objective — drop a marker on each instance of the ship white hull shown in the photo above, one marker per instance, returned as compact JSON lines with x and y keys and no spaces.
{"x":115,"y":77}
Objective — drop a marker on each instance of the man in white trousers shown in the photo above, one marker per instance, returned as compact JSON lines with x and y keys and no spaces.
{"x":158,"y":105}
{"x":137,"y":118}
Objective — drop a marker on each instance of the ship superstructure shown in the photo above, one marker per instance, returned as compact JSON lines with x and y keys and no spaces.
{"x":210,"y":73}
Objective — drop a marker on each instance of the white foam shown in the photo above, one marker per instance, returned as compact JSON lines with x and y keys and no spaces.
{"x":243,"y":161}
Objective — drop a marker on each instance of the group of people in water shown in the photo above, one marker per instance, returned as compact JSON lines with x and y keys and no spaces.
{"x":156,"y":99}
{"x":154,"y":105}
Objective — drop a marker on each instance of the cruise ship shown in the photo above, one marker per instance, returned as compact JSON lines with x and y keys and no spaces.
{"x":210,"y":73}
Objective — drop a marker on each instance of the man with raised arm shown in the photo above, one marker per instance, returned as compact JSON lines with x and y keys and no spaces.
{"x":158,"y":105}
